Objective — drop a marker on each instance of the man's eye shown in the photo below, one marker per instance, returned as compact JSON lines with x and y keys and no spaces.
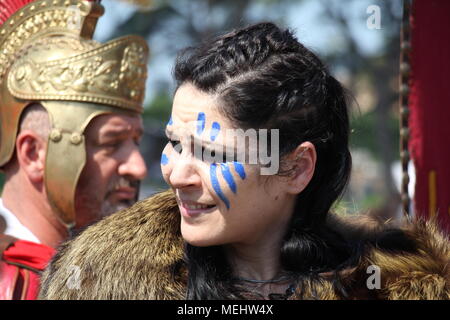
{"x":137,"y":142}
{"x":176,"y":145}
{"x":111,"y":145}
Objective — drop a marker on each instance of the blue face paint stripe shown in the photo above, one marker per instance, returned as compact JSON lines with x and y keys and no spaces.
{"x":216,"y":185}
{"x":201,"y":122}
{"x":226,"y":173}
{"x":164,"y":159}
{"x":239,"y":169}
{"x":215,"y":130}
{"x":170,"y":122}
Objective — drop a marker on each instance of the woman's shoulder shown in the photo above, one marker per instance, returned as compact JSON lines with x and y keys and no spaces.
{"x":128,"y":255}
{"x":137,"y":254}
{"x":408,"y":260}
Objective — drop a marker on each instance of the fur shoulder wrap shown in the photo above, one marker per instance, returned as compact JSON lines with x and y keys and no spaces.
{"x":137,"y":253}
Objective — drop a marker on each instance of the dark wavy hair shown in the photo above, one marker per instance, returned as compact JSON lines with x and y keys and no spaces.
{"x":267,"y":79}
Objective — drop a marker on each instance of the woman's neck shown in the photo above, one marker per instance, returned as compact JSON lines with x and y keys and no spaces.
{"x":258,"y":270}
{"x":256,"y":261}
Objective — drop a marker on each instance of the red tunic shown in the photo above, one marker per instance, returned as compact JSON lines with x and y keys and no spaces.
{"x":20,"y":266}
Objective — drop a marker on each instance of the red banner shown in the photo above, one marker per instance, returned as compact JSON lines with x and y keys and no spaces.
{"x":430,"y":108}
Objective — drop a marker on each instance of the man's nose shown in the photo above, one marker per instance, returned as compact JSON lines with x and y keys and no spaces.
{"x":134,"y":165}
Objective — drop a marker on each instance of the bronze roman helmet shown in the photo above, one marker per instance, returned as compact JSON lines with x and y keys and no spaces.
{"x":47,"y":55}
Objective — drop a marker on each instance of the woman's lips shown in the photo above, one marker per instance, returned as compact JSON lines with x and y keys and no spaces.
{"x":190,"y":209}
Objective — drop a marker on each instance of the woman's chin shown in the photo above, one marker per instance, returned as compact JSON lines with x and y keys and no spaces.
{"x":197,"y":237}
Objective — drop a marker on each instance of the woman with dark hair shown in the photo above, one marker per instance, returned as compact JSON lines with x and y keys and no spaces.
{"x":232,"y":228}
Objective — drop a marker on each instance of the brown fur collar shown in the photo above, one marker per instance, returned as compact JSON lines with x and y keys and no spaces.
{"x":137,"y":254}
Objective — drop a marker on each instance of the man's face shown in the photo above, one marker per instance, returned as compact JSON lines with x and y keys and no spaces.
{"x":114,"y":166}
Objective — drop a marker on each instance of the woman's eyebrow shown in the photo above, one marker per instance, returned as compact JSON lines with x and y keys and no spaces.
{"x":211,"y":145}
{"x":199,"y":142}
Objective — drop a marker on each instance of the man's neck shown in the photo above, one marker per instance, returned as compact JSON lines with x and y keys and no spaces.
{"x":33,"y":211}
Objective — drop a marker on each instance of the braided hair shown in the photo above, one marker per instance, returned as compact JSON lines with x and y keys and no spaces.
{"x":266,"y":78}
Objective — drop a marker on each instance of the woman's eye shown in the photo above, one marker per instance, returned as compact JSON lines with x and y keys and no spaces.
{"x":222,"y":157}
{"x":176,"y":145}
{"x":214,"y":156}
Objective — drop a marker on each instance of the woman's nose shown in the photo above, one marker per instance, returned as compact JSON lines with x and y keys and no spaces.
{"x":184,"y":173}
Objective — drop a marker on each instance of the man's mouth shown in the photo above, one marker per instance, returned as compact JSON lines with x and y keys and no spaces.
{"x":125,"y":193}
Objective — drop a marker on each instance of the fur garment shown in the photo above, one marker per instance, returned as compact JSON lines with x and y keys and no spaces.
{"x":137,"y":253}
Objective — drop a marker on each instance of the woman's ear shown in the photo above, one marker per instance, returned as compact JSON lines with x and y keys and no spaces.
{"x":31,"y":150}
{"x":302,"y":162}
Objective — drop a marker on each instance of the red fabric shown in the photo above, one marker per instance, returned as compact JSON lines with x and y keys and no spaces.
{"x":8,"y":279}
{"x":9,"y":7}
{"x":31,"y":254}
{"x":430,"y":108}
{"x":28,"y":254}
{"x":17,"y":283}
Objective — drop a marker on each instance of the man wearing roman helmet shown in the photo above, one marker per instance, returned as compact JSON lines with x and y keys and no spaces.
{"x":70,"y":129}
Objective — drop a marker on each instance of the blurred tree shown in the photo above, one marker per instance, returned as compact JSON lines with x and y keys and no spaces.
{"x":364,"y":130}
{"x":158,"y":108}
{"x":194,"y":20}
{"x":140,"y":3}
{"x":377,"y":130}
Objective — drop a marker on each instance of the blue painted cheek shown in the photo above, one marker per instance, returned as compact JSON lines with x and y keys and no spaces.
{"x":201,"y":120}
{"x":239,"y":168}
{"x":216,"y":186}
{"x":226,"y":173}
{"x":170,"y":121}
{"x":215,"y":131}
{"x":164,"y":159}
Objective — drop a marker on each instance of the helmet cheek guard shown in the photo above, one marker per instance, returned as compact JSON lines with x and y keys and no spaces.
{"x":67,"y":138}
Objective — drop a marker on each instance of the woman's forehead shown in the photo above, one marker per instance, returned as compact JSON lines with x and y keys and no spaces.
{"x":193,"y":108}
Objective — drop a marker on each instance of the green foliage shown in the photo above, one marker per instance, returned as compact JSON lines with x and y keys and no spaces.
{"x":363,"y":133}
{"x":159,"y":108}
{"x":345,"y":207}
{"x":2,"y":181}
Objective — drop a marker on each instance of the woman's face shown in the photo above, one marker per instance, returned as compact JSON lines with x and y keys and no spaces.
{"x":220,"y":202}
